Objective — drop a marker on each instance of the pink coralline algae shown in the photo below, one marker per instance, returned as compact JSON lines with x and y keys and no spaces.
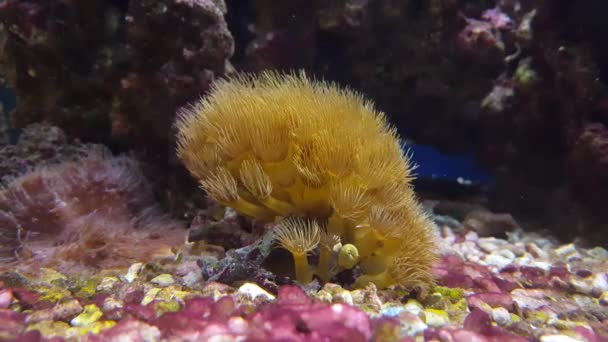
{"x":293,"y":317}
{"x":83,"y":215}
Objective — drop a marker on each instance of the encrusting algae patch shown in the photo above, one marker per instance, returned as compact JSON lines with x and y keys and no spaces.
{"x":321,"y":162}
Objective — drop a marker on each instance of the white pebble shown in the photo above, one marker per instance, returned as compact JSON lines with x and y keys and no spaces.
{"x":543,"y":265}
{"x":413,"y":325}
{"x":133,"y":272}
{"x":599,"y":253}
{"x":192,"y":278}
{"x":107,"y":283}
{"x":413,"y":306}
{"x":581,"y":285}
{"x":343,"y":297}
{"x":536,"y":251}
{"x":436,"y":320}
{"x":253,"y":291}
{"x":471,"y":236}
{"x":600,"y":283}
{"x":496,"y":260}
{"x":557,"y":338}
{"x":501,"y":316}
{"x":487,"y":245}
{"x":505,"y":253}
{"x":163,"y":280}
{"x":565,"y":250}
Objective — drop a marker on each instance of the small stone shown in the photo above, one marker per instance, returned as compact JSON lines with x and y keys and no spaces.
{"x":90,"y":314}
{"x":323,"y":296}
{"x":96,"y":327}
{"x":367,"y":297}
{"x":343,"y":296}
{"x":599,"y":283}
{"x":604,"y":298}
{"x":61,"y":311}
{"x":488,"y":245}
{"x":216,"y":290}
{"x":581,"y":286}
{"x":565,"y":250}
{"x":49,"y":275}
{"x":557,"y":338}
{"x":530,"y":299}
{"x":583,"y":301}
{"x":413,"y":306}
{"x":133,"y":272}
{"x":501,"y":316}
{"x":563,"y":324}
{"x":6,"y":298}
{"x":132,"y":330}
{"x":523,"y":260}
{"x":493,"y":299}
{"x":50,"y":328}
{"x":411,"y":325}
{"x":436,"y":318}
{"x":543,"y":265}
{"x":536,"y":251}
{"x":599,"y":253}
{"x":448,"y":235}
{"x":252,"y":291}
{"x":111,"y":303}
{"x":472,"y":257}
{"x":496,"y":260}
{"x":392,"y":310}
{"x":107,"y":284}
{"x":471,"y":236}
{"x":150,"y":295}
{"x":506,"y":253}
{"x":486,"y":223}
{"x":192,"y":278}
{"x":163,"y":280}
{"x":462,"y":335}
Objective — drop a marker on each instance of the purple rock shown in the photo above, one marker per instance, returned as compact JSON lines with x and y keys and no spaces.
{"x":493,"y":299}
{"x":454,"y":279}
{"x":145,"y":313}
{"x":198,"y":307}
{"x":29,"y":299}
{"x":586,"y":334}
{"x":486,"y":284}
{"x":292,"y":295}
{"x":223,"y":308}
{"x":505,"y":284}
{"x":584,"y":273}
{"x":462,"y":335}
{"x":6,"y":297}
{"x":127,"y":330}
{"x":535,"y":276}
{"x":478,"y":321}
{"x":11,"y":322}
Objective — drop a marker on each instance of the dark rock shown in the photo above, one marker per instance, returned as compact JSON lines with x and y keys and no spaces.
{"x":486,"y":223}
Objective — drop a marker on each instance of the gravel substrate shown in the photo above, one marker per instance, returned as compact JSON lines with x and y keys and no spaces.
{"x":525,"y":287}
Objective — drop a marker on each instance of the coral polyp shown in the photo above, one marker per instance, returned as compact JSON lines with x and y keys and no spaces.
{"x":274,"y":146}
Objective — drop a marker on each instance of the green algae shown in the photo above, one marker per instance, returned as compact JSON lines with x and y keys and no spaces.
{"x":453,"y":294}
{"x":52,"y":294}
{"x":436,"y":318}
{"x":50,"y":329}
{"x":162,"y":307}
{"x":86,"y":288}
{"x":95,"y":327}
